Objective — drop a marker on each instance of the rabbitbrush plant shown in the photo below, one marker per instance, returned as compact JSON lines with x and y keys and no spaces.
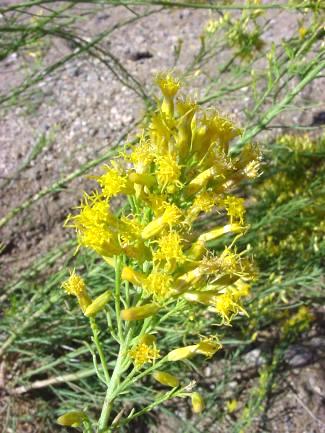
{"x":145,"y":220}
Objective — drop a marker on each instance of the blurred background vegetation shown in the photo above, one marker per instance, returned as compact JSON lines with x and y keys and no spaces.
{"x":75,"y":83}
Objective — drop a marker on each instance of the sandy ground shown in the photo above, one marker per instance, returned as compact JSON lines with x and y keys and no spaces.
{"x":83,"y":109}
{"x":81,"y":112}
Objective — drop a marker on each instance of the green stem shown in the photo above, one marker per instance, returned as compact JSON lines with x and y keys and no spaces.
{"x":168,"y":395}
{"x":99,"y":348}
{"x":174,"y":4}
{"x":134,"y":377}
{"x":121,"y":363}
{"x":127,"y":294}
{"x":112,"y":391}
{"x":274,"y":111}
{"x":109,"y":398}
{"x":118,"y":269}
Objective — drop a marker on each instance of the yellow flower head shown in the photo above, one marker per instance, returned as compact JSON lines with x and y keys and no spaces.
{"x":168,"y":85}
{"x":96,"y":225}
{"x":235,"y":208}
{"x":158,"y":285}
{"x":157,"y":203}
{"x":142,"y":155}
{"x":76,"y":286}
{"x":168,"y":171}
{"x":129,"y":229}
{"x":172,"y":215}
{"x":302,"y":32}
{"x":170,"y":249}
{"x":94,"y":210}
{"x":205,"y":201}
{"x":113,"y":182}
{"x":227,"y":307}
{"x":144,"y":351}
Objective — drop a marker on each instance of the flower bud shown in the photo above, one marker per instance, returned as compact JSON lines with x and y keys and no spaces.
{"x":219,"y":231}
{"x":196,"y":251}
{"x":84,"y":301}
{"x":187,"y":109}
{"x":71,"y":419}
{"x":197,"y":402}
{"x":208,"y":347}
{"x":153,"y":228}
{"x":139,"y":313}
{"x":182,"y":353}
{"x":134,"y":277}
{"x":166,"y":379}
{"x":169,"y":87}
{"x":109,"y":260}
{"x":200,"y":181}
{"x":171,"y":215}
{"x":98,"y":304}
{"x":145,"y":179}
{"x":148,"y":339}
{"x":195,"y":276}
{"x":203,"y":297}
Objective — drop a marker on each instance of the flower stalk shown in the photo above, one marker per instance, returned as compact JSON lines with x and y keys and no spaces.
{"x":179,"y":172}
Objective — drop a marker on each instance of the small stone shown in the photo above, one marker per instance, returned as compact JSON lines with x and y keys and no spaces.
{"x":298,"y":356}
{"x":254,"y":358}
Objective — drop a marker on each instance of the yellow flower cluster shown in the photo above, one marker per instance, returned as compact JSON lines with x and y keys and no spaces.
{"x":302,"y":236}
{"x":301,"y":143}
{"x":243,"y":34}
{"x":179,"y":171}
{"x":298,"y":322}
{"x":76,"y":286}
{"x":144,"y":351}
